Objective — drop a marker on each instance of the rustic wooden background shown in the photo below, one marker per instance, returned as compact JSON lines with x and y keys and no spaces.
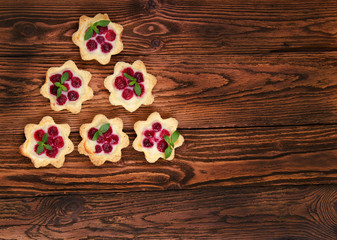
{"x":253,"y":85}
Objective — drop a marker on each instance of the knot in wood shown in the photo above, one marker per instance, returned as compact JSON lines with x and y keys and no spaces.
{"x":26,"y":29}
{"x":151,"y":4}
{"x":70,"y":205}
{"x":155,"y":43}
{"x":67,"y":210}
{"x":151,"y":28}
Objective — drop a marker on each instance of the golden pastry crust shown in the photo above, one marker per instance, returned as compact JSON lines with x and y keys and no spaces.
{"x":27,"y":148}
{"x":87,"y":146}
{"x":85,"y":92}
{"x":152,"y":154}
{"x":78,"y":39}
{"x":135,"y":102}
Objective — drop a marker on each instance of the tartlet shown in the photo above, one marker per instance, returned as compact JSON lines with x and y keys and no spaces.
{"x":150,"y":137}
{"x":123,"y":90}
{"x":109,"y":144}
{"x":76,"y":86}
{"x":57,"y":139}
{"x":100,"y":46}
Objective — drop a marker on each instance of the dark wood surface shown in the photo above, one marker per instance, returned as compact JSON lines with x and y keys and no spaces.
{"x":253,"y":85}
{"x":307,"y":212}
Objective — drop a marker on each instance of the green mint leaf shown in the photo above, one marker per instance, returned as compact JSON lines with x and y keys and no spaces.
{"x":95,"y":29}
{"x":167,"y":139}
{"x":95,"y":137}
{"x":137,"y":89}
{"x":39,"y":149}
{"x":45,"y":138}
{"x":64,"y":77}
{"x":102,"y":23}
{"x":40,"y":143}
{"x":57,"y":84}
{"x":59,"y":92}
{"x":132,"y":83}
{"x":88,"y":34}
{"x":104,"y":128}
{"x":168,"y":152}
{"x":48,"y":147}
{"x":64,"y":88}
{"x":175,"y":137}
{"x":129,"y":77}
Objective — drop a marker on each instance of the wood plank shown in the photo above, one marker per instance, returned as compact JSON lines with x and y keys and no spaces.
{"x":232,"y":91}
{"x":246,"y":213}
{"x":174,"y":27}
{"x":266,"y":156}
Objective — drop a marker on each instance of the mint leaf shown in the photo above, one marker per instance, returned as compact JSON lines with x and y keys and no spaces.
{"x":90,"y":31}
{"x":88,"y":34}
{"x":102,"y":23}
{"x":130,"y":77}
{"x":64,"y":77}
{"x":95,"y":29}
{"x":40,"y":143}
{"x":64,"y":88}
{"x":48,"y":147}
{"x":101,"y":130}
{"x":59,"y":92}
{"x":133,"y":80}
{"x":104,"y":128}
{"x":168,"y":152}
{"x":137,"y":89}
{"x":174,"y":137}
{"x":39,"y":149}
{"x":45,"y":138}
{"x":167,"y":139}
{"x":57,"y":84}
{"x":95,"y":137}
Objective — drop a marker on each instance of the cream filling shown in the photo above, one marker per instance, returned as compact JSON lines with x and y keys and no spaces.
{"x":79,"y":90}
{"x":90,"y":144}
{"x":33,"y":142}
{"x":153,"y":150}
{"x":98,"y":49}
{"x":135,"y":99}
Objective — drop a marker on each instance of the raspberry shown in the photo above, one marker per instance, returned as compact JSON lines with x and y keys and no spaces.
{"x":147,"y":143}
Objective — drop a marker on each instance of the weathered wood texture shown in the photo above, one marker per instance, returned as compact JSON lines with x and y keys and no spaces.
{"x":253,"y":85}
{"x":174,"y":27}
{"x":261,"y":213}
{"x":219,"y":157}
{"x":199,"y":91}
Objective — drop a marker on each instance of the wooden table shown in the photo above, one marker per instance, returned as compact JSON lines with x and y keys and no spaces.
{"x":253,"y":85}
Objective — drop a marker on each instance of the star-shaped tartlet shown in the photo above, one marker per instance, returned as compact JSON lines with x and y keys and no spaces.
{"x":150,"y":137}
{"x":101,"y":45}
{"x":73,"y":91}
{"x":123,"y":84}
{"x":49,"y":138}
{"x":109,"y":143}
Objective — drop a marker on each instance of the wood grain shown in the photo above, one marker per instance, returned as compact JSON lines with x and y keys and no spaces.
{"x":253,"y":86}
{"x":174,"y":27}
{"x":265,"y":156}
{"x":200,"y":91}
{"x":247,"y":213}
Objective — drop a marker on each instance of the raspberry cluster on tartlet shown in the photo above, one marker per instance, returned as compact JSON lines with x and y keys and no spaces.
{"x":67,"y":87}
{"x":151,"y":137}
{"x":130,"y":85}
{"x":47,"y":143}
{"x":103,"y":139}
{"x":98,"y":38}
